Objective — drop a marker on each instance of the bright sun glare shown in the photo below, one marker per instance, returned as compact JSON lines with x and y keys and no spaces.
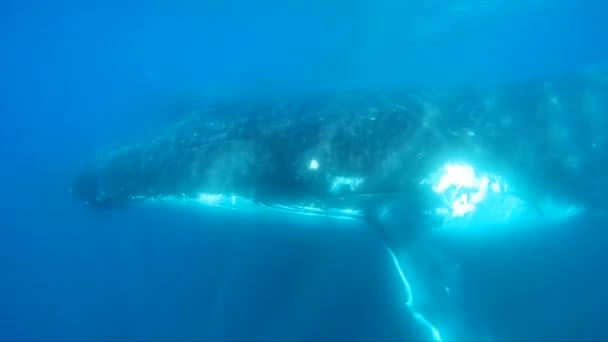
{"x":462,"y":189}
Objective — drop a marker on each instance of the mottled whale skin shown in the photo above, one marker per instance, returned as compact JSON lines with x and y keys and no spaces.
{"x":368,"y":149}
{"x":375,"y":155}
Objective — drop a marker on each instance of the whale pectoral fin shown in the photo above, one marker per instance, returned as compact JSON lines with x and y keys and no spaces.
{"x":430,"y":280}
{"x":429,"y":274}
{"x":397,"y":220}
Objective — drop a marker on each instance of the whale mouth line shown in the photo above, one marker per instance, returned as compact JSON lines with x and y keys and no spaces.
{"x":247,"y":205}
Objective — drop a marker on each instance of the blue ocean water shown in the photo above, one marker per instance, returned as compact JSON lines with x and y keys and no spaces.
{"x":76,"y":77}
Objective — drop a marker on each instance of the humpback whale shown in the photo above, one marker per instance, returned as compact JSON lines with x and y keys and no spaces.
{"x":405,"y":161}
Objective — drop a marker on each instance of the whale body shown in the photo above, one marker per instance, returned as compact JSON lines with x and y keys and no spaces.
{"x":362,"y":153}
{"x":406,"y":161}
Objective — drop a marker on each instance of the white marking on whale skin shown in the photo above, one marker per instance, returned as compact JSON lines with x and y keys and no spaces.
{"x":210,"y":199}
{"x":313,"y":165}
{"x":340,"y":182}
